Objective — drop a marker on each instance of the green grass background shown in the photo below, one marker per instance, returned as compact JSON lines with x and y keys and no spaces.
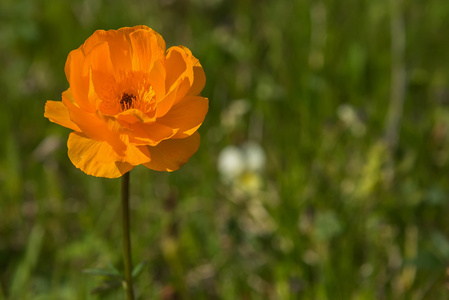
{"x":345,"y":210}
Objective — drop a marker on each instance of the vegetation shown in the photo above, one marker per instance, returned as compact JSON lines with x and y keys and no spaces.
{"x":348,"y":99}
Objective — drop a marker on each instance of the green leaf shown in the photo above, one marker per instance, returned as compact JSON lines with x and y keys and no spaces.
{"x":114,"y":270}
{"x":138,"y":269}
{"x":24,"y":271}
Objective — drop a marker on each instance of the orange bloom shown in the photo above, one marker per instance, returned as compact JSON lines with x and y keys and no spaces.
{"x":130,"y":102}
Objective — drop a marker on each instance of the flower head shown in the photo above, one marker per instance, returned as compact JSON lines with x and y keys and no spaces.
{"x":130,"y":102}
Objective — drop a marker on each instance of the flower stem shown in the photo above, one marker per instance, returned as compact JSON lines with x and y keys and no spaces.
{"x":126,"y":238}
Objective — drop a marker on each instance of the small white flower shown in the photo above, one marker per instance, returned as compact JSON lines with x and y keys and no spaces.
{"x":254,"y":156}
{"x":230,"y":163}
{"x":242,"y":166}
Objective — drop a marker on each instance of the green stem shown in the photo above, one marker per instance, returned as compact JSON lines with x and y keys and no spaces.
{"x":126,"y":238}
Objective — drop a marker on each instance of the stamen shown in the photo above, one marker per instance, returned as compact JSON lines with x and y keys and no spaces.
{"x":126,"y":102}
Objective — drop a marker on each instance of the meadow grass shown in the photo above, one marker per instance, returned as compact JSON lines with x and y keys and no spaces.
{"x":348,"y":99}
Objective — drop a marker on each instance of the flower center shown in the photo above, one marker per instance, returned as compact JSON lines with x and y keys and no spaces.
{"x":131,"y":90}
{"x":126,"y":102}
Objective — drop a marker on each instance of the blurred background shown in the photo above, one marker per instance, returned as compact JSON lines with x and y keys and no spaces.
{"x":323,"y":171}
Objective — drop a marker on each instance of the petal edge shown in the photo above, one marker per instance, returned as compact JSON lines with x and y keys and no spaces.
{"x":57,"y":113}
{"x":170,"y":155}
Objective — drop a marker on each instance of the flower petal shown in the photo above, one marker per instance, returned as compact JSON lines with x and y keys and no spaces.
{"x":170,"y":155}
{"x":101,"y":72}
{"x":176,"y":65}
{"x":183,"y":67}
{"x":56,"y":112}
{"x":148,"y":46}
{"x":166,"y":103}
{"x":179,"y":68}
{"x":157,"y":78}
{"x":199,"y":78}
{"x":95,"y":158}
{"x":78,"y":79}
{"x":119,"y":46}
{"x":90,"y":124}
{"x":98,"y":59}
{"x":137,"y":155}
{"x":186,"y":116}
{"x":131,"y":116}
{"x":150,"y":134}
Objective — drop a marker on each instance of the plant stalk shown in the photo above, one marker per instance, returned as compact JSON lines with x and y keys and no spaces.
{"x":126,"y":238}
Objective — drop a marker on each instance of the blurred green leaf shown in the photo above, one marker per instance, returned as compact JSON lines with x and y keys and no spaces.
{"x":110,"y":279}
{"x":327,"y":225}
{"x":113,"y":269}
{"x":138,"y":269}
{"x":23,"y":275}
{"x":441,"y":245}
{"x":427,"y":260}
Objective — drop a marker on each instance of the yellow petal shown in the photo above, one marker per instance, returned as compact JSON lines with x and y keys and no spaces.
{"x":128,"y":30}
{"x":186,"y":116}
{"x":91,"y":125}
{"x":56,"y":112}
{"x":199,"y":78}
{"x":166,"y":103}
{"x":179,"y":72}
{"x":95,"y":158}
{"x":150,"y":134}
{"x":181,"y":64}
{"x":157,"y":78}
{"x":176,"y":65}
{"x":131,"y":116}
{"x":137,"y":155}
{"x":170,"y":155}
{"x":101,"y":72}
{"x":78,"y":79}
{"x":98,"y":59}
{"x":148,"y":46}
{"x":120,"y":50}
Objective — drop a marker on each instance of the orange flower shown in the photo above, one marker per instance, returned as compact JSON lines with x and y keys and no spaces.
{"x":130,"y":102}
